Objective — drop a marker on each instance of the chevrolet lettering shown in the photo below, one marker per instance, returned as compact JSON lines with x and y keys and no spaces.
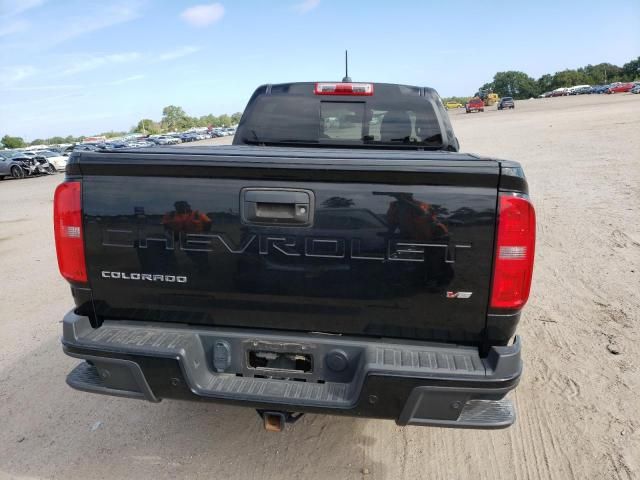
{"x":288,"y":245}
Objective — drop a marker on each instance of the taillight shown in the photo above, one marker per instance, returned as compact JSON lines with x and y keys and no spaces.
{"x":356,"y":89}
{"x":515,"y":248}
{"x":67,"y":221}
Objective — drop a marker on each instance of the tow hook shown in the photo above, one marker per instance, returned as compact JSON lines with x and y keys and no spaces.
{"x":275,"y":421}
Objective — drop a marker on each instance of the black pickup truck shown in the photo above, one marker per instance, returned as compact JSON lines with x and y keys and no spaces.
{"x":341,"y":257}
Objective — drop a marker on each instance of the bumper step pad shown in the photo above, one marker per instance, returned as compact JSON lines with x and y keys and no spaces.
{"x":483,"y":413}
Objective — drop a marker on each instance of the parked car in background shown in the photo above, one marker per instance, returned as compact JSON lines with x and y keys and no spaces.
{"x":559,"y":92}
{"x":452,"y":105}
{"x":11,"y":165}
{"x":85,"y":147}
{"x":140,"y":144}
{"x":168,"y":140}
{"x":56,"y":159}
{"x":475,"y":105}
{"x":506,"y":102}
{"x":621,"y":88}
{"x":29,"y":164}
{"x":635,"y":89}
{"x":578,"y":89}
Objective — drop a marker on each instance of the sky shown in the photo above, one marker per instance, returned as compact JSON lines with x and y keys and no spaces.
{"x":81,"y":67}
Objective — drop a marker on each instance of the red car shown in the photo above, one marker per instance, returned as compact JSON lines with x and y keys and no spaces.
{"x":475,"y":105}
{"x":623,"y":87}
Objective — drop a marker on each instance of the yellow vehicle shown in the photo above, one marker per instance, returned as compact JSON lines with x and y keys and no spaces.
{"x":450,"y":105}
{"x":491,"y":99}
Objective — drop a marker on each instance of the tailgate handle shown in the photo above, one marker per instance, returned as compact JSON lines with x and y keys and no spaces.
{"x":277,"y":206}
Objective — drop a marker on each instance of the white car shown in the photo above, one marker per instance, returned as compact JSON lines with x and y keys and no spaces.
{"x":167,"y":140}
{"x":58,"y":160}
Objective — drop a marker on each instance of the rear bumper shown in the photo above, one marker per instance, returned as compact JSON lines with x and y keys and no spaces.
{"x":413,"y":383}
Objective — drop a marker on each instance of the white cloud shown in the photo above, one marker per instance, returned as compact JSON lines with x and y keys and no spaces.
{"x":306,"y":6}
{"x":72,"y":86}
{"x":103,"y":17}
{"x":94,"y":62}
{"x":44,"y":88}
{"x":203,"y":15}
{"x":120,"y":81}
{"x":178,"y":53}
{"x":14,"y":26}
{"x":48,"y":100}
{"x":15,"y":73}
{"x":9,"y":8}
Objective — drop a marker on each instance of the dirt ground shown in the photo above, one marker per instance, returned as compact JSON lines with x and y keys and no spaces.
{"x":577,"y":403}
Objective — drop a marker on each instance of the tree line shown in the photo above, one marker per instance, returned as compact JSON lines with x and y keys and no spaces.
{"x":519,"y":85}
{"x":174,"y":118}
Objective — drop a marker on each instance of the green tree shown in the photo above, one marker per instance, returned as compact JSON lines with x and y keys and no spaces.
{"x":545,"y":83}
{"x":631,"y":70}
{"x":207,"y":120}
{"x":174,"y":118}
{"x":602,"y":73}
{"x":147,"y":127}
{"x":38,"y":141}
{"x":569,"y":78}
{"x":224,"y":120}
{"x":514,"y":84}
{"x":13,"y":142}
{"x":486,"y":88}
{"x":190,"y":122}
{"x":235,"y":118}
{"x":461,"y":100}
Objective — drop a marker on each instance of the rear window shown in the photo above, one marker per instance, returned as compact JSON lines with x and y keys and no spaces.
{"x":401,"y":119}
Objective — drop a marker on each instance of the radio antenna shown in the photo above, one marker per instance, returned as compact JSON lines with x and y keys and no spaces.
{"x":346,"y":78}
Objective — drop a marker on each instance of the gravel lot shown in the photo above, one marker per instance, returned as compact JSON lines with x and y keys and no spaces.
{"x":577,"y":402}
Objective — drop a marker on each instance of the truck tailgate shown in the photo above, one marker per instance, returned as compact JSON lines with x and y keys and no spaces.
{"x":375,"y":243}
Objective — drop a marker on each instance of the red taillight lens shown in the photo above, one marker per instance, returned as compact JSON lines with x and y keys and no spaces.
{"x":355,"y":89}
{"x":515,"y":248}
{"x":67,"y":224}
